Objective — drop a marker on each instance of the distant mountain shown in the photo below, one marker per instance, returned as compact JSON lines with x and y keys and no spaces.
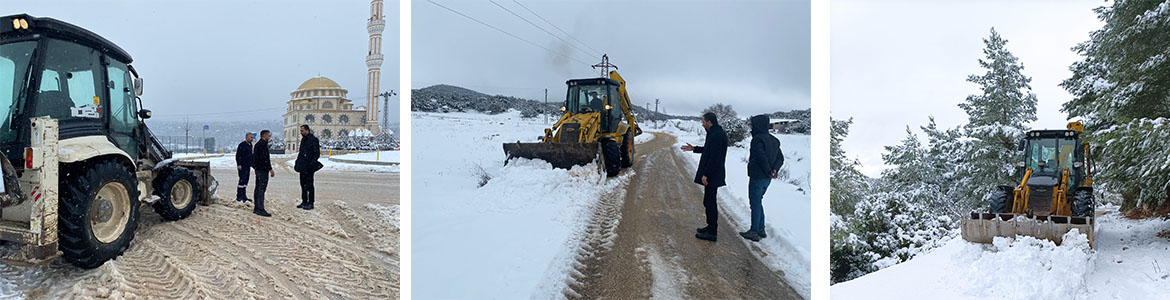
{"x":449,"y":98}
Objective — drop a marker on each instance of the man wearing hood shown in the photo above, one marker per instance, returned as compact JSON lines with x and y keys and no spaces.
{"x":764,"y":163}
{"x":711,"y":172}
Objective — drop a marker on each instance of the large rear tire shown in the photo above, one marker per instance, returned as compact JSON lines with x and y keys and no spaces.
{"x":179,"y":193}
{"x":628,"y":149}
{"x":1083,"y":202}
{"x":611,"y":153}
{"x":98,"y":213}
{"x":1000,"y":201}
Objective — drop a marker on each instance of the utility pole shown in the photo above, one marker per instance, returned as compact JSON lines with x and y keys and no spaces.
{"x":385,"y":109}
{"x":545,"y":106}
{"x":186,"y":134}
{"x":656,"y":116}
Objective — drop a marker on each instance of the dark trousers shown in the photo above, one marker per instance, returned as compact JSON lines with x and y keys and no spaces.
{"x":308,"y":193}
{"x":261,"y":187}
{"x":711,"y":207}
{"x":242,"y":188}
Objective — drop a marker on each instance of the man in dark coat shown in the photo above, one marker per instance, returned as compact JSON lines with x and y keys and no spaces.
{"x":764,"y":162}
{"x":263,"y":165}
{"x":244,"y":167}
{"x":306,"y":165}
{"x":711,"y":172}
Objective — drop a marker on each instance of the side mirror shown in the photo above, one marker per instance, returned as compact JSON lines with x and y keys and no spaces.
{"x":144,"y":114}
{"x":138,"y":86}
{"x":1020,"y":147}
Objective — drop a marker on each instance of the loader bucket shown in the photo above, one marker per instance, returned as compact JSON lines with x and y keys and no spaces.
{"x":984,"y":227}
{"x":560,"y":155}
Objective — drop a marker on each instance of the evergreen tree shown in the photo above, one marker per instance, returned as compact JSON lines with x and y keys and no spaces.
{"x":996,"y":120}
{"x":1121,"y":90}
{"x":1124,"y":74}
{"x":846,"y":183}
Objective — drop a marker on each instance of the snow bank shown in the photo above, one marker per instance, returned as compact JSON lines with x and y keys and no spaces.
{"x":517,"y":224}
{"x":787,"y":204}
{"x":644,"y":137}
{"x":382,"y":156}
{"x":1125,"y":263}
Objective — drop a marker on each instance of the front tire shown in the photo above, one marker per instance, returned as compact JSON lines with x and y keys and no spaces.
{"x":1001,"y":200}
{"x":179,"y":193}
{"x":628,"y":149}
{"x":611,"y":153}
{"x":98,"y":213}
{"x":1083,"y":202}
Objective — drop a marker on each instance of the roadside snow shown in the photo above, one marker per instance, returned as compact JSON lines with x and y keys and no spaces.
{"x":1126,"y":263}
{"x":787,"y":204}
{"x":644,"y":137}
{"x":380,"y":156}
{"x":518,"y":225}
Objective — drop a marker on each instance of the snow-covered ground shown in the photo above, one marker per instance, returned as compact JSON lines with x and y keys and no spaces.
{"x":787,"y":205}
{"x":380,"y":156}
{"x":1128,"y":261}
{"x":517,"y":224}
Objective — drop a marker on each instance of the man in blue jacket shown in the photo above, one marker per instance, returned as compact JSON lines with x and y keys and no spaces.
{"x":711,"y":172}
{"x":244,"y":167}
{"x":764,"y":163}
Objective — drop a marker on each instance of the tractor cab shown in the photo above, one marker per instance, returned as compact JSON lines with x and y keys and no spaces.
{"x":50,"y":68}
{"x":1048,"y":153}
{"x":596,"y":95}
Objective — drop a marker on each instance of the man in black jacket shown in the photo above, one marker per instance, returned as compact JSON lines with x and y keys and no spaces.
{"x":764,"y":162}
{"x":263,"y":165}
{"x":306,"y":165}
{"x":711,"y":172}
{"x":244,"y":167}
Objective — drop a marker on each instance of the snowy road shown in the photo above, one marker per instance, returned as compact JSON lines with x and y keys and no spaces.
{"x":347,"y":248}
{"x":655,"y":253}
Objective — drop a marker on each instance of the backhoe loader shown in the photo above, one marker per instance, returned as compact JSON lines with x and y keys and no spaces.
{"x":78,"y":159}
{"x":598,"y":124}
{"x":1054,"y":196}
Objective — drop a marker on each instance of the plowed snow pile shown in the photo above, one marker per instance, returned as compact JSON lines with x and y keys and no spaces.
{"x":495,"y":231}
{"x":1125,"y":263}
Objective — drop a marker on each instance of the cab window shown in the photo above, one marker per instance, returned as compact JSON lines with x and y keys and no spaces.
{"x":69,"y":82}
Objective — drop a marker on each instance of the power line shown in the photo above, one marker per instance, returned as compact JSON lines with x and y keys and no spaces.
{"x":558,"y":28}
{"x":538,"y":27}
{"x":223,"y":113}
{"x":505,"y":32}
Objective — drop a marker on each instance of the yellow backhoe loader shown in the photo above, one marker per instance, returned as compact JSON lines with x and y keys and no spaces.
{"x":598,"y":124}
{"x":1054,"y":196}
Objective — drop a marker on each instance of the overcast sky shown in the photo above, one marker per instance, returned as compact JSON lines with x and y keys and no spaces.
{"x":753,"y":55}
{"x":895,"y":63}
{"x":204,"y":58}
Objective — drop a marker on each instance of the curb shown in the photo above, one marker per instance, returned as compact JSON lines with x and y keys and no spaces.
{"x":364,"y":162}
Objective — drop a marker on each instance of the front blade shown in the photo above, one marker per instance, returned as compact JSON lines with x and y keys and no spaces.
{"x":560,"y":155}
{"x":984,"y":227}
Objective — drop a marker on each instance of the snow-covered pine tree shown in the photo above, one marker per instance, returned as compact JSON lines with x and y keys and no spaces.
{"x":996,"y":120}
{"x":1124,"y":74}
{"x":1120,"y":88}
{"x":846,"y":184}
{"x":945,"y":152}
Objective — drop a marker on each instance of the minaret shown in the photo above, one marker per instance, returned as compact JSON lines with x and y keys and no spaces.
{"x":376,"y":24}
